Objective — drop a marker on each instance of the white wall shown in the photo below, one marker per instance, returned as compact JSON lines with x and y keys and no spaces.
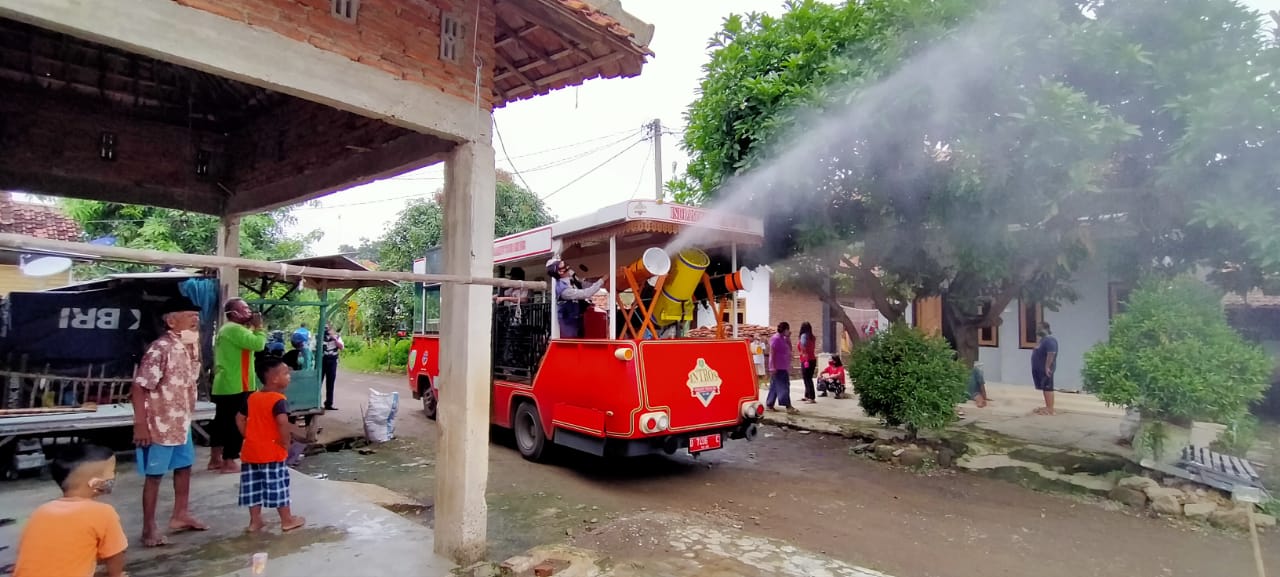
{"x":1077,"y":325}
{"x":757,"y":302}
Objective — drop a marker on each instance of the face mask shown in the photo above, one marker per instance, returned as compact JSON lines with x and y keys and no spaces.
{"x":102,"y":486}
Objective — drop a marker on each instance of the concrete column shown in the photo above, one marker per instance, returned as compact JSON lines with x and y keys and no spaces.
{"x":229,"y":245}
{"x":466,"y":315}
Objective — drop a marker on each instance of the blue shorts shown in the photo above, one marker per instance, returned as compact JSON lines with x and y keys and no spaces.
{"x":156,"y":460}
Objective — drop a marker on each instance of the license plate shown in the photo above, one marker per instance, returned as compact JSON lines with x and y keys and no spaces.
{"x":704,"y":443}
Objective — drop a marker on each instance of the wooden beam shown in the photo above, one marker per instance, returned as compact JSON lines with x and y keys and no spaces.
{"x":19,"y":243}
{"x":513,"y":36}
{"x":409,"y":152}
{"x":202,"y":201}
{"x":533,"y":84}
{"x":563,"y":74}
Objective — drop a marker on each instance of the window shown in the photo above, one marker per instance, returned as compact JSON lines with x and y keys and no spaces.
{"x":989,"y":336}
{"x":345,"y":9}
{"x":450,"y":39}
{"x":1030,"y":315}
{"x":1117,"y":298}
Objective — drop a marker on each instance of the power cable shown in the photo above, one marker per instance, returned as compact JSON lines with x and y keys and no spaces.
{"x":595,"y":168}
{"x":503,"y":144}
{"x":643,"y":165}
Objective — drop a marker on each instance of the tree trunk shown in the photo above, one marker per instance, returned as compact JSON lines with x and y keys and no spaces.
{"x":846,"y":323}
{"x":829,"y":299}
{"x":964,"y":334}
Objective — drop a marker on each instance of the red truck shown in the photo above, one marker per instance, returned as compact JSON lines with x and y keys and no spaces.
{"x":632,"y":385}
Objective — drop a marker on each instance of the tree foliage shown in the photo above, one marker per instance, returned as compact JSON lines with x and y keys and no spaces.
{"x":420,"y":226}
{"x":982,"y":151}
{"x":1172,"y":356}
{"x":906,"y":377}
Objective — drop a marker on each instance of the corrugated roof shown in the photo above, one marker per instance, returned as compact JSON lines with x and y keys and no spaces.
{"x":38,"y":220}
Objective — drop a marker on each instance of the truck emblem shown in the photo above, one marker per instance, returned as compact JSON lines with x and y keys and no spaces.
{"x":704,"y":382}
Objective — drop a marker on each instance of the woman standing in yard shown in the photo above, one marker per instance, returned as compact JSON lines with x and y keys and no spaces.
{"x":808,"y":360}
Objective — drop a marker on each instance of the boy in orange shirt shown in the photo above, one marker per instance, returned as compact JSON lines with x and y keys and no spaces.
{"x":264,"y":422}
{"x":71,"y":535}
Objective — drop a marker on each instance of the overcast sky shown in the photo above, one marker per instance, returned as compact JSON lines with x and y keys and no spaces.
{"x":555,"y":140}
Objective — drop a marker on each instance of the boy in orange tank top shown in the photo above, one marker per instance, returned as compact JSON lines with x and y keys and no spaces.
{"x":264,"y":422}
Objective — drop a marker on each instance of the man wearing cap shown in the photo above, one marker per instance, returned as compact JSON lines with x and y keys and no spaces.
{"x":164,"y":400}
{"x":570,"y":298}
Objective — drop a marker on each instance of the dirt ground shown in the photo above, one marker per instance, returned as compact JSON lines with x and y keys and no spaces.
{"x":803,"y":489}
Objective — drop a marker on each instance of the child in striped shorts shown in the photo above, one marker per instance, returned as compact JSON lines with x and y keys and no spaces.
{"x":264,"y":422}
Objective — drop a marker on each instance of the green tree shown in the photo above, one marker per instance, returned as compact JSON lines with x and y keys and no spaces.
{"x":420,"y":226}
{"x":908,"y":378}
{"x":262,"y":236}
{"x":977,"y":150}
{"x":1172,"y":356}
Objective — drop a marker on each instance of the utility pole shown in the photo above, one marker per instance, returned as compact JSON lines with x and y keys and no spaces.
{"x":656,"y":127}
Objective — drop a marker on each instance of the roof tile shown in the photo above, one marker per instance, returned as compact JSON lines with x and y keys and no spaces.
{"x":38,"y":220}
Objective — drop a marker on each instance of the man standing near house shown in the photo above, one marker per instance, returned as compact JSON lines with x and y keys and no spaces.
{"x":164,"y":399}
{"x":333,"y":346}
{"x":780,"y":369}
{"x":239,"y":338}
{"x":1043,"y":362}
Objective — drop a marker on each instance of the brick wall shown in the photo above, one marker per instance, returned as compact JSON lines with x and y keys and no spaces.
{"x":298,"y":136}
{"x":401,"y":37}
{"x":60,"y":137}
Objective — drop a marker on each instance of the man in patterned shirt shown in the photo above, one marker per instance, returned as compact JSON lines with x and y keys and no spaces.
{"x":164,"y":399}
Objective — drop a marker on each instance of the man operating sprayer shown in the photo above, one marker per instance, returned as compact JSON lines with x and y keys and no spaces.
{"x":571,"y":297}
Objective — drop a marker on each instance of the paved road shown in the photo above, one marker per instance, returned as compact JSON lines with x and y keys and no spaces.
{"x":802,"y":489}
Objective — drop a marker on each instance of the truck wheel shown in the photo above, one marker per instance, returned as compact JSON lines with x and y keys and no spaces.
{"x":429,"y":403}
{"x":530,"y":440}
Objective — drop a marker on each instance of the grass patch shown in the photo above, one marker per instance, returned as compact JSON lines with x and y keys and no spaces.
{"x":376,"y":356}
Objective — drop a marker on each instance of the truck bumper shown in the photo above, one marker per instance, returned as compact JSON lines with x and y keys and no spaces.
{"x":656,"y":445}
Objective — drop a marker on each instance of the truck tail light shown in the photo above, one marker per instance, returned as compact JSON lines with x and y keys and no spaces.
{"x":655,"y":422}
{"x":752,"y":410}
{"x":624,"y":353}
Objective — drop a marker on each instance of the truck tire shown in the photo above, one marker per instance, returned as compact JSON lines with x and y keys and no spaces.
{"x":530,"y":439}
{"x":430,"y":405}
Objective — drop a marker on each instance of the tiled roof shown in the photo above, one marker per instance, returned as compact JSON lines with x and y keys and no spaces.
{"x":38,"y":220}
{"x":1255,"y":299}
{"x":604,"y":17}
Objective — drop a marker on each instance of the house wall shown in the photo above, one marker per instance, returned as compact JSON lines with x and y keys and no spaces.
{"x":51,"y":144}
{"x":757,"y":302}
{"x":1078,"y":326}
{"x":12,"y":280}
{"x":401,"y":37}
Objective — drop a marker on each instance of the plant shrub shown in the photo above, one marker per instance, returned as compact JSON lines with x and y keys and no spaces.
{"x":1172,"y":356}
{"x":908,"y":378}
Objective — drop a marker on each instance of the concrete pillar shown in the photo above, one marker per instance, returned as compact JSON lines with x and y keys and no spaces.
{"x":465,"y":331}
{"x":229,"y":245}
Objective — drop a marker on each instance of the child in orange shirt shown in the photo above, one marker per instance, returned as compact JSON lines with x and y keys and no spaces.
{"x":71,"y":535}
{"x":264,"y":422}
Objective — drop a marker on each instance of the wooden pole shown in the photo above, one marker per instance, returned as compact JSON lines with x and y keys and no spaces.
{"x":1257,"y":548}
{"x":22,"y":243}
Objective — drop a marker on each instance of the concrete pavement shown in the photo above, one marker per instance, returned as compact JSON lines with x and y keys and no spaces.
{"x":1083,"y":422}
{"x":346,"y":532}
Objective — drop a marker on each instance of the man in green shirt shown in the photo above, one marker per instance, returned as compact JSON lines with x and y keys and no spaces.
{"x":233,"y":379}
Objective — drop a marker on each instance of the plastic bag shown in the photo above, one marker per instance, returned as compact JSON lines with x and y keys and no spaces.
{"x":380,"y":418}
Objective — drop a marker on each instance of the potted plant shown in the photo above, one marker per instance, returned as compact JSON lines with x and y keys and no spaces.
{"x":1172,"y":358}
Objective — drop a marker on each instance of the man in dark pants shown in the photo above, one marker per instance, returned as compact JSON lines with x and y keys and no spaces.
{"x":329,"y":368}
{"x":238,"y":340}
{"x":1043,"y":362}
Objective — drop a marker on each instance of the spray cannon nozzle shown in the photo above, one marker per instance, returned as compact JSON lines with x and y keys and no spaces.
{"x":726,"y":284}
{"x":654,"y":262}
